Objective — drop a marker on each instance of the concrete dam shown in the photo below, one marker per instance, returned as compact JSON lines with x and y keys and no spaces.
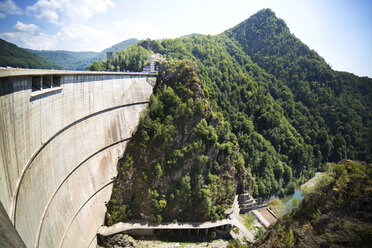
{"x":61,"y":134}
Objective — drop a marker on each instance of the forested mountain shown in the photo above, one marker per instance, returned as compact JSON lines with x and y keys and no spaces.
{"x":335,"y":213}
{"x":115,"y":48}
{"x":71,"y":60}
{"x":290,"y":112}
{"x":183,"y":162}
{"x":80,"y":60}
{"x":13,"y":56}
{"x":324,"y":92}
{"x":132,"y":59}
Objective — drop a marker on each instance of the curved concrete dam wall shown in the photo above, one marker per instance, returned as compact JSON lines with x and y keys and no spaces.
{"x":61,"y":135}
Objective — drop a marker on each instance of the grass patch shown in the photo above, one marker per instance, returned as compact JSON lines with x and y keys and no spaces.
{"x":277,"y":206}
{"x":236,"y":230}
{"x":248,"y":220}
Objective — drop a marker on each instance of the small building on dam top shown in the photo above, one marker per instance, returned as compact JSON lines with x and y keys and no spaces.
{"x":61,"y":134}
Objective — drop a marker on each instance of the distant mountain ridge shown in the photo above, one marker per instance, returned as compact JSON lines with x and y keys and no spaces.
{"x":14,"y":56}
{"x":71,"y":60}
{"x":80,"y":60}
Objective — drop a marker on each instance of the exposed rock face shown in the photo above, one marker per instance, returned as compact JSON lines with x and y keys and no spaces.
{"x":119,"y":241}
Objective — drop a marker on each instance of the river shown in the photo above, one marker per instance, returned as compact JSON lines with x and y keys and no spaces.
{"x":287,"y":200}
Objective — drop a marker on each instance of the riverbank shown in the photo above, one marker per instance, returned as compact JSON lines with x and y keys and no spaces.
{"x":281,"y":206}
{"x":312,"y":181}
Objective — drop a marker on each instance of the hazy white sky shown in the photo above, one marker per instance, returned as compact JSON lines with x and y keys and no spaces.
{"x":339,"y":30}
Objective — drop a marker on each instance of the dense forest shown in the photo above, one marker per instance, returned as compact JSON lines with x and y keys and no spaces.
{"x":182,"y":164}
{"x":70,"y":60}
{"x":334,"y":213}
{"x":132,"y":59}
{"x":80,"y":60}
{"x":13,"y":56}
{"x":290,"y":112}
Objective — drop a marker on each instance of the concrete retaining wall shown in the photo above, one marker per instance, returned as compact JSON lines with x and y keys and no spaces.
{"x":59,"y":151}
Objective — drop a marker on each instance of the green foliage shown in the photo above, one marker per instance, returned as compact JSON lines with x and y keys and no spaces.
{"x":96,"y":66}
{"x":255,"y":100}
{"x":259,"y":232}
{"x":119,"y":213}
{"x":294,"y":203}
{"x":213,"y":235}
{"x":329,"y":237}
{"x":133,"y":58}
{"x":248,"y":220}
{"x":291,"y":188}
{"x":183,"y":162}
{"x":68,"y":59}
{"x":279,"y":134}
{"x":13,"y":56}
{"x":333,"y":212}
{"x":289,"y":241}
{"x":80,"y":60}
{"x":291,"y":113}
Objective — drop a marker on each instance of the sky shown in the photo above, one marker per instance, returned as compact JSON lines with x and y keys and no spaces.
{"x":338,"y":30}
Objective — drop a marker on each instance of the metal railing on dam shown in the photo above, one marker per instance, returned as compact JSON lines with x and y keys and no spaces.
{"x":61,"y":134}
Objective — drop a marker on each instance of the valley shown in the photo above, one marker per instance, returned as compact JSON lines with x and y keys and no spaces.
{"x":227,"y":122}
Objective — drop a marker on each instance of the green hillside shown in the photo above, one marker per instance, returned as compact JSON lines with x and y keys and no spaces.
{"x":283,"y":106}
{"x":80,"y":60}
{"x":183,"y":162}
{"x":116,"y":48}
{"x":103,"y":55}
{"x":13,"y":56}
{"x":335,"y":213}
{"x":71,"y":60}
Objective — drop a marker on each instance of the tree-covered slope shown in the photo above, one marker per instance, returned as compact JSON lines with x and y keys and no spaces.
{"x":341,"y":100}
{"x":103,"y":55}
{"x":71,"y":60}
{"x":134,"y":58}
{"x":115,"y":48}
{"x":286,"y":124}
{"x":80,"y":60}
{"x":183,"y":162}
{"x":13,"y":56}
{"x":335,"y":213}
{"x":289,"y":112}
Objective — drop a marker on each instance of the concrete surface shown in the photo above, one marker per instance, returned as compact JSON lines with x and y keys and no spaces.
{"x":269,"y":217}
{"x":263,"y":221}
{"x":59,"y":150}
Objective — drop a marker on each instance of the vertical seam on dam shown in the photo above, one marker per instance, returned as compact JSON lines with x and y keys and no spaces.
{"x":19,"y":183}
{"x":6,"y":172}
{"x":72,"y":220}
{"x":14,"y":136}
{"x":64,"y":180}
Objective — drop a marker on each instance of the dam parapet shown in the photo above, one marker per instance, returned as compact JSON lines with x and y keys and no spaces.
{"x":61,"y":135}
